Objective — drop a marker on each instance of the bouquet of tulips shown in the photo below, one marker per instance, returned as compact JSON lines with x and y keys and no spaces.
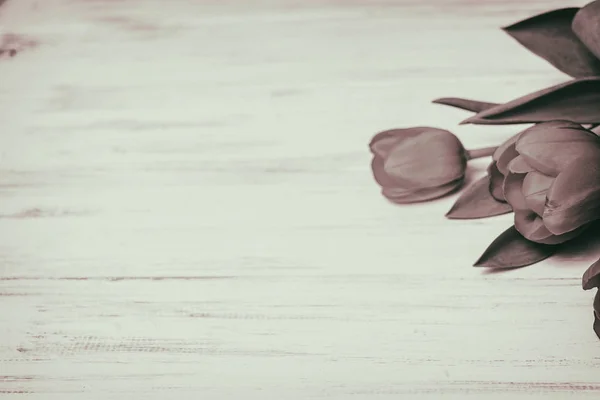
{"x":547,"y":175}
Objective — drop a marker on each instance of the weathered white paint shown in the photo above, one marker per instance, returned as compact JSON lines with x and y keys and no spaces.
{"x":187,"y":208}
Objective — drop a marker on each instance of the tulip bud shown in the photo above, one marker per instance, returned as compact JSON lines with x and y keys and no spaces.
{"x":417,"y":164}
{"x":553,"y":183}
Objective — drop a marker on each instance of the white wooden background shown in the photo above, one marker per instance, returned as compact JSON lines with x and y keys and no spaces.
{"x":187,"y":209}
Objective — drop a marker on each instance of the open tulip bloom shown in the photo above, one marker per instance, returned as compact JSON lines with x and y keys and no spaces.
{"x":548,"y":175}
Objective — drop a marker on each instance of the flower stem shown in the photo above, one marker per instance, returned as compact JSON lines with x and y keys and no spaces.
{"x":478,"y":153}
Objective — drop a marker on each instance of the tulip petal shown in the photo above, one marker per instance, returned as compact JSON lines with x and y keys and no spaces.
{"x":566,"y":236}
{"x":507,"y":143}
{"x":381,"y":177}
{"x":496,"y":182}
{"x":574,"y":197}
{"x":535,"y":187}
{"x":536,"y":202}
{"x":505,"y":153}
{"x":505,"y":158}
{"x":513,"y":191}
{"x":531,"y":226}
{"x":402,"y":196}
{"x":396,"y":194}
{"x":502,"y":148}
{"x":385,"y":180}
{"x":550,"y":146}
{"x":519,"y":166}
{"x":432,"y":159}
{"x":383,"y":142}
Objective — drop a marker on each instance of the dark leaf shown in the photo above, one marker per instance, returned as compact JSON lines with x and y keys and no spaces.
{"x":465,"y":104}
{"x":597,"y":325}
{"x":585,"y":26}
{"x":512,"y":250}
{"x":549,"y":36}
{"x":577,"y":100}
{"x":591,"y":277}
{"x":477,"y":202}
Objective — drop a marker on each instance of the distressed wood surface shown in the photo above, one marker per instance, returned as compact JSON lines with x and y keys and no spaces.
{"x":187,"y":207}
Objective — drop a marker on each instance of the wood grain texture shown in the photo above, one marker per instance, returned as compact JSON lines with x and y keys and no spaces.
{"x":187,"y":208}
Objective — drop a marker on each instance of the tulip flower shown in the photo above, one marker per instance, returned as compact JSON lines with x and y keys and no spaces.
{"x":553,"y":183}
{"x":420,"y":163}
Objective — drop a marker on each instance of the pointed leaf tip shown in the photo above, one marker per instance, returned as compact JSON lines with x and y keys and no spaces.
{"x":468,"y":120}
{"x":577,"y":100}
{"x":550,"y":36}
{"x":464,"y":104}
{"x":477,"y":202}
{"x":512,"y":250}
